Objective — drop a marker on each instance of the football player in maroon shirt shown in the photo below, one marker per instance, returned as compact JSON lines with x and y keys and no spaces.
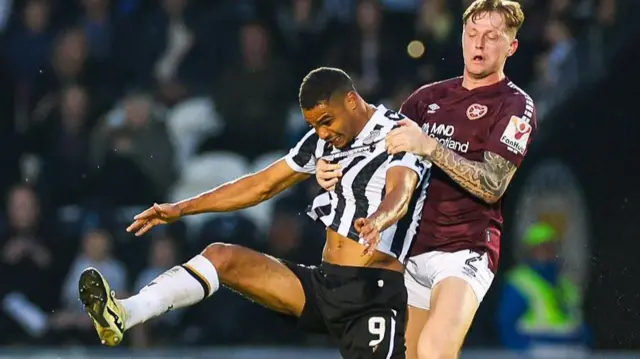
{"x":476,"y":130}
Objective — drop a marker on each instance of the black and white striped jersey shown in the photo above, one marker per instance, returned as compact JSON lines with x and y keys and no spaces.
{"x":362,"y":186}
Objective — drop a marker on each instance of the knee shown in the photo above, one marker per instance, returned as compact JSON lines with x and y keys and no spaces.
{"x":437,"y":347}
{"x":221,"y":255}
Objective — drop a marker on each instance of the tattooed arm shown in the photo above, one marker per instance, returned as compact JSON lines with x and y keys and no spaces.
{"x":505,"y":149}
{"x":487,"y":180}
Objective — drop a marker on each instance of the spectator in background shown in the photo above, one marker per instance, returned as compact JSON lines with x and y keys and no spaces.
{"x":180,"y":40}
{"x":540,"y":312}
{"x":252,"y":98}
{"x":366,"y":49}
{"x":27,"y":260}
{"x":438,"y":29}
{"x":62,"y":142}
{"x":302,"y":23}
{"x":29,"y":43}
{"x":134,"y":136}
{"x":163,"y":48}
{"x":70,"y":65}
{"x":27,"y":49}
{"x":559,"y":62}
{"x":70,"y":58}
{"x":25,"y":248}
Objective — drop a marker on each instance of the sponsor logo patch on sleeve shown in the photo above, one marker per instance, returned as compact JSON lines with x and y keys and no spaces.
{"x":516,"y":135}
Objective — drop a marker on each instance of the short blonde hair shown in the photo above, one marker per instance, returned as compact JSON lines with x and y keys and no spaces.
{"x":511,"y":11}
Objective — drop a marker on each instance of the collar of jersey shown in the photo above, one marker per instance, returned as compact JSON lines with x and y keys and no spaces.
{"x":368,"y":127}
{"x":349,"y":149}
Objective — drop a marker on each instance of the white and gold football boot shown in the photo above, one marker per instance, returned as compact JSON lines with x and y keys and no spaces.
{"x":105,"y":310}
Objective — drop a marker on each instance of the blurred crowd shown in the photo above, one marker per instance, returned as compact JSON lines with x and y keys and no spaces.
{"x":110,"y":105}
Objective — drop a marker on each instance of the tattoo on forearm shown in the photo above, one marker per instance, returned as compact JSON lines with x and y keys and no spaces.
{"x":487,"y":180}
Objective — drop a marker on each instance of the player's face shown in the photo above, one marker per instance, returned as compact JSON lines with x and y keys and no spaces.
{"x":486,"y":44}
{"x":333,"y":121}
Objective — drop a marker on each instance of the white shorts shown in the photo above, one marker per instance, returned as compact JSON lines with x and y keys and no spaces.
{"x":426,"y":270}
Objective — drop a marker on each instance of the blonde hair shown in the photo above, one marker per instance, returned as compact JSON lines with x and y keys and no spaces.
{"x":511,"y":11}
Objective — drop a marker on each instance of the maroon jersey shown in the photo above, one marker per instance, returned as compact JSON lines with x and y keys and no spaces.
{"x":499,"y":118}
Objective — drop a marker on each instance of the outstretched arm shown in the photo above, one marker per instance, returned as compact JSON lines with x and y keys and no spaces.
{"x":241,"y":193}
{"x":244,"y":192}
{"x":298,"y":165}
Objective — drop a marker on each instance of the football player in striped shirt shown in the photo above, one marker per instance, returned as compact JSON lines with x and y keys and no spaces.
{"x":357,"y":294}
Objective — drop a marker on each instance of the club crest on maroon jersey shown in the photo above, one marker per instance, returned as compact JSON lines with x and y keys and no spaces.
{"x":476,"y":111}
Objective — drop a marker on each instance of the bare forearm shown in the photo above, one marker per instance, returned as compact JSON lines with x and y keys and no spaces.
{"x":244,"y":192}
{"x":392,"y":209}
{"x":239,"y":194}
{"x":487,"y":180}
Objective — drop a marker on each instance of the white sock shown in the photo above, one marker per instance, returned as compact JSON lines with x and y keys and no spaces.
{"x":180,"y":286}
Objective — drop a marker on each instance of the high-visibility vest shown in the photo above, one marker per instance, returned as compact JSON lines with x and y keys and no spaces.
{"x":552,"y":310}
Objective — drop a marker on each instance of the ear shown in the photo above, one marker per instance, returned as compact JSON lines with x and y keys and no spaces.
{"x":351,"y":100}
{"x":513,"y":47}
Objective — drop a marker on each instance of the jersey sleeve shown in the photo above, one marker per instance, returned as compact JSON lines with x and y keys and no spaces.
{"x":411,"y":161}
{"x":516,"y":127}
{"x":302,"y":158}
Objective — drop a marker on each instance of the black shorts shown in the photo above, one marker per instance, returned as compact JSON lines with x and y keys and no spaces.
{"x":365,"y":309}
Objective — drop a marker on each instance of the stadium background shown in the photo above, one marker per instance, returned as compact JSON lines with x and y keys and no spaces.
{"x":109,"y":106}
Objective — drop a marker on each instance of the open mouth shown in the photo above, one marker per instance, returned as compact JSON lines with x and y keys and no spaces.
{"x":478,"y":58}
